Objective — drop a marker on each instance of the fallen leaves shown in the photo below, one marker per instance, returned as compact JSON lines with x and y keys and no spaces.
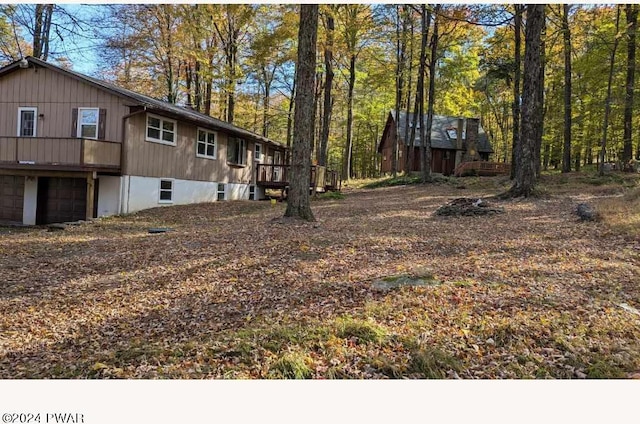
{"x":235,"y":291}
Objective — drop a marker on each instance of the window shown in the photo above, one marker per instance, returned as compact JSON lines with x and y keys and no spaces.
{"x":222,"y":192}
{"x":453,"y":133}
{"x":237,"y":151}
{"x":206,"y":147}
{"x":27,"y":121}
{"x":258,"y":152}
{"x":161,"y":130}
{"x":252,"y":192}
{"x":166,"y":191}
{"x":88,"y":122}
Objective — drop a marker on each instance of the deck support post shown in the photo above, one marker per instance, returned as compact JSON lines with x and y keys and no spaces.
{"x":91,"y":176}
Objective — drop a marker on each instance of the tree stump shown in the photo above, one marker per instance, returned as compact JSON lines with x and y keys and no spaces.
{"x":587,"y":212}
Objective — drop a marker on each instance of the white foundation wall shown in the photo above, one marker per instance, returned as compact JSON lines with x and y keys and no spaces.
{"x":108,"y":195}
{"x":237,"y":191}
{"x":138,"y":193}
{"x":30,"y":201}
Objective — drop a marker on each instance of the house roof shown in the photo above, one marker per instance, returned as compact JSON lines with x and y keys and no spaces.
{"x":440,"y":139}
{"x":154,"y":105}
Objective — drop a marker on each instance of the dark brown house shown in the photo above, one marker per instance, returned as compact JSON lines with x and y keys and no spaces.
{"x":447,"y":149}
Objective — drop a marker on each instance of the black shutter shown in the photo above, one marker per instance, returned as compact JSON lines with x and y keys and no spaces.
{"x":74,"y":122}
{"x":102,"y":123}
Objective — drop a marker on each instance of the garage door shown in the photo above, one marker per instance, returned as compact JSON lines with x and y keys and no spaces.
{"x":11,"y":199}
{"x":61,"y":200}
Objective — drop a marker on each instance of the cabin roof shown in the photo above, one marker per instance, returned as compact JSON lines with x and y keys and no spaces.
{"x":441,"y":135}
{"x":154,"y":105}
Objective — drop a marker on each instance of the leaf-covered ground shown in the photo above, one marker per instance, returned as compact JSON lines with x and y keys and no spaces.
{"x":235,"y":291}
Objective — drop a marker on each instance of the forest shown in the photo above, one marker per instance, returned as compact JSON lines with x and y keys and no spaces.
{"x":532,"y":275}
{"x":238,"y":63}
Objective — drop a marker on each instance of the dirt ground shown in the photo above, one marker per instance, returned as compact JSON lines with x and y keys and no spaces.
{"x":235,"y":291}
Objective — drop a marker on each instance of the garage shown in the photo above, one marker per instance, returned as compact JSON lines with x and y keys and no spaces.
{"x":61,"y":200}
{"x":11,"y":199}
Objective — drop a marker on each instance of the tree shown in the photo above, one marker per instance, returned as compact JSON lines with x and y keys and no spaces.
{"x":632,"y":26}
{"x":517,"y":30}
{"x":355,"y":23}
{"x":566,"y":36}
{"x":230,"y":28}
{"x":298,"y":204}
{"x":607,"y":102}
{"x":328,"y":86}
{"x":425,"y":146}
{"x":532,"y":101}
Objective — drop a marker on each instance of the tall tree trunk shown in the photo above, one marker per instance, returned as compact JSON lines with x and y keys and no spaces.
{"x":516,"y":87}
{"x":399,"y":72}
{"x":43,"y":14}
{"x":347,"y":167}
{"x":46,"y":31}
{"x":323,"y":152}
{"x":537,"y":151}
{"x":292,"y":103}
{"x":418,"y":104}
{"x":524,"y":182}
{"x":267,"y":76}
{"x":425,"y":133}
{"x":607,"y":102}
{"x":408,"y":166}
{"x":298,"y":204}
{"x":566,"y":35}
{"x":632,"y":26}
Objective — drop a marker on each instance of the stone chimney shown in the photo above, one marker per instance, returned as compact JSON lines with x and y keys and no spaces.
{"x":459,"y":151}
{"x":471,"y":153}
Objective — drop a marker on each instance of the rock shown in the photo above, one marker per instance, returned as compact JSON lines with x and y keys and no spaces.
{"x":587,"y":212}
{"x":395,"y":282}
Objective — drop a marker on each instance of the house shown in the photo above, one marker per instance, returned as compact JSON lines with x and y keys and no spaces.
{"x":73,"y":147}
{"x":447,"y":149}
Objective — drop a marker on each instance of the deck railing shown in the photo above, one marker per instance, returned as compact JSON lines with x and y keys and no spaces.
{"x":59,"y":151}
{"x":277,"y":176}
{"x":482,"y":168}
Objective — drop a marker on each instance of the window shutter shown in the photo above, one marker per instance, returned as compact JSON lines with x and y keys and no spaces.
{"x":74,"y":122}
{"x":102,"y":123}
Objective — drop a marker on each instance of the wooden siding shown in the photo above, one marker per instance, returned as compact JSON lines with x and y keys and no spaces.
{"x":440,"y":163}
{"x":180,"y":161}
{"x":59,"y":151}
{"x":101,"y":153}
{"x":55,"y":95}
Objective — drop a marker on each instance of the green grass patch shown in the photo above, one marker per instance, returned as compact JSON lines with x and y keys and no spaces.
{"x":292,"y":365}
{"x":361,"y":331}
{"x":433,"y":363}
{"x":603,"y":368}
{"x":330,"y":195}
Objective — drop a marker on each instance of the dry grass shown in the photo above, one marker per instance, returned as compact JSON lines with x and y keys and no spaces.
{"x":622,"y":213}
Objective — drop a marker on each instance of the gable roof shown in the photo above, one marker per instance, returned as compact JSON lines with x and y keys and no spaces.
{"x":154,"y":105}
{"x":439,"y":137}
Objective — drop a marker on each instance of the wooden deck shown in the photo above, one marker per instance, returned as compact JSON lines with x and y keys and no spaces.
{"x":59,"y":153}
{"x":277,"y":177}
{"x":482,"y":168}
